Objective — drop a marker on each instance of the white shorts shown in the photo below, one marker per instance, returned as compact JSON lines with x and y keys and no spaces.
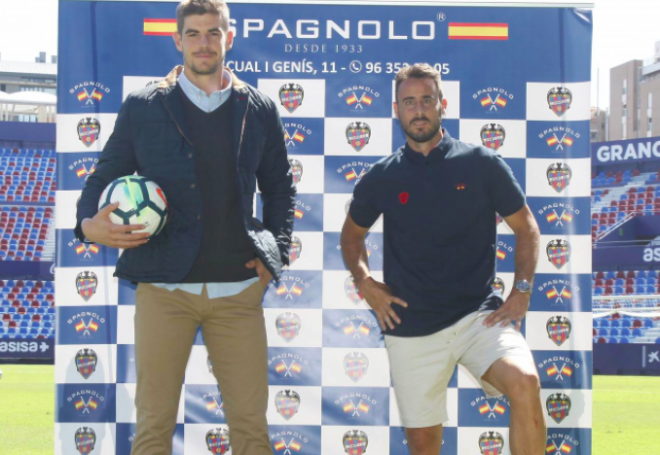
{"x":422,"y":366}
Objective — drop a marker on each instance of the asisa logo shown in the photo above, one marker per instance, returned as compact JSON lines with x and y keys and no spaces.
{"x":559,"y":138}
{"x":493,"y":98}
{"x":358,"y":96}
{"x":89,"y":93}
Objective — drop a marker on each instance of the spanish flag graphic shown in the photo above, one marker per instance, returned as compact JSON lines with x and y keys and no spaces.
{"x":501,"y":101}
{"x":568,"y":141}
{"x":500,"y":254}
{"x":552,"y":371}
{"x":280,"y":445}
{"x":80,"y":326}
{"x":484,"y":409}
{"x":552,"y":141}
{"x":567,"y":217}
{"x":486,"y":101}
{"x":299,"y":214}
{"x":159,"y":27}
{"x":366,"y":99}
{"x":552,"y":217}
{"x":351,"y":100}
{"x":552,"y":293}
{"x":298,"y":137}
{"x":295,"y":445}
{"x":478,"y":31}
{"x":566,"y":294}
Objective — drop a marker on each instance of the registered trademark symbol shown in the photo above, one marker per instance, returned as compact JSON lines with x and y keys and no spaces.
{"x":442,"y":17}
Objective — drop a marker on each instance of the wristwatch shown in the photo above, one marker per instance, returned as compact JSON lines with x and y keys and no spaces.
{"x":523,"y":286}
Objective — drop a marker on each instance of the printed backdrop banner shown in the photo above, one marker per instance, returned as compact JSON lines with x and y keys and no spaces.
{"x":517,"y":79}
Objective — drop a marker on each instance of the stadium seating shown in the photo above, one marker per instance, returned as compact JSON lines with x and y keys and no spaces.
{"x":23,"y":232}
{"x":623,"y":194}
{"x":27,"y":309}
{"x":27,"y":176}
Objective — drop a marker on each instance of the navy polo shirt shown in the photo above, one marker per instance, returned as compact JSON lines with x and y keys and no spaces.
{"x":439,"y":229}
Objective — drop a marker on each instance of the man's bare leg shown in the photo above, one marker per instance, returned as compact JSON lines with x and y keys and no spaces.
{"x":424,"y":441}
{"x":516,"y":377}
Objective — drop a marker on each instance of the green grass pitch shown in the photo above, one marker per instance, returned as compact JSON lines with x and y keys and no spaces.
{"x":626,"y":412}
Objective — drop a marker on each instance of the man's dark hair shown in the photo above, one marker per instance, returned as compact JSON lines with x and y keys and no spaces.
{"x":419,"y":71}
{"x":191,"y":7}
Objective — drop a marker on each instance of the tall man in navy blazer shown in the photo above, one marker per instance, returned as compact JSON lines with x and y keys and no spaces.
{"x":207,"y":139}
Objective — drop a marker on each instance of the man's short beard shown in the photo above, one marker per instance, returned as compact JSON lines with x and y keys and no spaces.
{"x":422,"y":137}
{"x":212,"y":70}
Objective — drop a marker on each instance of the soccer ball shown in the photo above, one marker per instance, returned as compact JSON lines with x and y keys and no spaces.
{"x":141,"y":201}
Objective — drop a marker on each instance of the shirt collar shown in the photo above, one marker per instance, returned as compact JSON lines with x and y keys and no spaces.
{"x":437,"y":154}
{"x":207,"y":103}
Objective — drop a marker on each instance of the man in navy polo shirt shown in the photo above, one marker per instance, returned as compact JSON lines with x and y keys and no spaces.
{"x":439,"y":198}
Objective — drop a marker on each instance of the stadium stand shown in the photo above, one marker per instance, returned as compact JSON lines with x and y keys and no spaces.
{"x":27,"y":309}
{"x":628,"y":194}
{"x":27,"y":197}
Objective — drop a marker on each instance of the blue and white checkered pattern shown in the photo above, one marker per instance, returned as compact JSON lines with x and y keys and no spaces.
{"x":328,"y":369}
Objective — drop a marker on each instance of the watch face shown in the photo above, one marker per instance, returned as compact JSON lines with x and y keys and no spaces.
{"x":523,"y":286}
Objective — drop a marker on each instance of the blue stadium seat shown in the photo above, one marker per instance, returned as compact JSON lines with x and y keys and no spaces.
{"x":614,"y":332}
{"x":615,"y":323}
{"x":620,"y":282}
{"x":657,"y":340}
{"x":648,"y":323}
{"x":596,"y":323}
{"x":610,"y":274}
{"x":637,"y":332}
{"x":625,"y":332}
{"x":650,"y":289}
{"x":618,"y":290}
{"x":640,"y":289}
{"x":603,"y":332}
{"x":624,"y":340}
{"x":613,"y":340}
{"x":653,"y":273}
{"x":652,"y":280}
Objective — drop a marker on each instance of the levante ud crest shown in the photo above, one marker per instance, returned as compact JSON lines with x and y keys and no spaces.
{"x":287,"y":403}
{"x":559,"y":100}
{"x":491,"y":443}
{"x":295,"y":251}
{"x":358,"y":135}
{"x":558,"y":252}
{"x":296,"y":169}
{"x":355,"y":442}
{"x":559,"y":329}
{"x":86,"y":283}
{"x":356,"y":365}
{"x":86,"y":361}
{"x":288,"y":326}
{"x":559,"y":176}
{"x":291,"y":96}
{"x":492,"y":136}
{"x":88,"y":131}
{"x":85,"y":438}
{"x":352,"y":291}
{"x":217,"y":441}
{"x":558,"y":406}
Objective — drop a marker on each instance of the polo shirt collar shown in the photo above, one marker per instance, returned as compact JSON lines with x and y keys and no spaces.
{"x":437,"y":154}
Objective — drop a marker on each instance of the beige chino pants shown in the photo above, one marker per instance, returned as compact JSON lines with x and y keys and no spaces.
{"x":235,"y":335}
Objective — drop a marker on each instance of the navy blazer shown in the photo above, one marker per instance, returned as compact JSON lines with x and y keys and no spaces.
{"x":151,"y":137}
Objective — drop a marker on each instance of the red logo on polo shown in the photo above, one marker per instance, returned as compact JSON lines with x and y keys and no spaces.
{"x":403,"y":197}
